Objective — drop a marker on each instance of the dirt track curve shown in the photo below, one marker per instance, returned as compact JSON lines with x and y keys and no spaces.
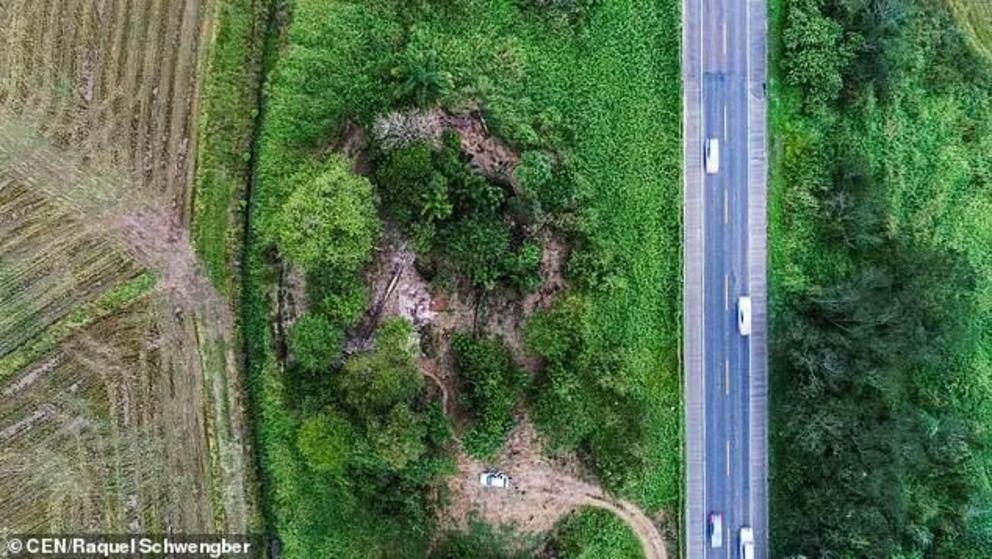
{"x":542,"y":492}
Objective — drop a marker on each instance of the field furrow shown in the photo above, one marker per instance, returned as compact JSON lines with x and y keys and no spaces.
{"x":148,"y":90}
{"x":155,"y":161}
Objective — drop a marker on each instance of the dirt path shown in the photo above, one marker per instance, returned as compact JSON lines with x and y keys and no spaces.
{"x":543,"y":491}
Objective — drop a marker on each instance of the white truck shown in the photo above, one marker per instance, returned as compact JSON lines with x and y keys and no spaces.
{"x":744,"y":315}
{"x":716,"y":529}
{"x":711,"y":152}
{"x":747,"y":543}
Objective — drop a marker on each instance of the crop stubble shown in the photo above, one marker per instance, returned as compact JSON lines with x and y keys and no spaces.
{"x":132,"y":421}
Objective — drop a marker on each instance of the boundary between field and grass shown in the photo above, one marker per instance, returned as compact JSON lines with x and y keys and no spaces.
{"x":226,"y":128}
{"x":228,"y":121}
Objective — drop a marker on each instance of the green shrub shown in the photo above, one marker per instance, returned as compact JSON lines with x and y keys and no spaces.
{"x":397,"y":437}
{"x":591,"y":533}
{"x":374,"y":382}
{"x":482,"y":541}
{"x":324,"y":440}
{"x":533,"y":172}
{"x":477,"y":249}
{"x":329,"y":221}
{"x":492,"y":382}
{"x":581,"y":400}
{"x":418,"y":77}
{"x":315,"y":342}
{"x":816,"y":51}
{"x":456,"y":217}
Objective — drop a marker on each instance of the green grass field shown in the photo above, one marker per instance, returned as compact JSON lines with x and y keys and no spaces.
{"x":609,"y":87}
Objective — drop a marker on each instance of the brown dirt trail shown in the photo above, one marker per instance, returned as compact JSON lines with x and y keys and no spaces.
{"x":543,"y":491}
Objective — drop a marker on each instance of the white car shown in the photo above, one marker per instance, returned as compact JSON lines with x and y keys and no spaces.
{"x":716,"y":529}
{"x":494,"y":478}
{"x":744,"y":315}
{"x":712,"y":156}
{"x":747,"y":543}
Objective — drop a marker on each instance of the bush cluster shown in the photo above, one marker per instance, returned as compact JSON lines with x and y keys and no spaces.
{"x":581,"y":399}
{"x":374,"y":433}
{"x":461,"y":223}
{"x":491,"y":383}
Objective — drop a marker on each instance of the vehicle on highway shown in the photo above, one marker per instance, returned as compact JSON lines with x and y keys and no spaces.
{"x":494,"y":478}
{"x":747,"y":543}
{"x":744,"y":315}
{"x":712,"y":152}
{"x":716,"y":529}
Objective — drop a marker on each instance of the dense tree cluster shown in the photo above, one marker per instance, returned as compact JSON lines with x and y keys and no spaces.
{"x":491,"y":384}
{"x":374,"y":436}
{"x":462,"y":224}
{"x":880,"y":447}
{"x":580,"y":400}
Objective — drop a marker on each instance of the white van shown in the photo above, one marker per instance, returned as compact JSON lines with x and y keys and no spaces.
{"x":716,"y":529}
{"x":747,"y":543}
{"x":494,"y":478}
{"x":744,"y":315}
{"x":712,"y":156}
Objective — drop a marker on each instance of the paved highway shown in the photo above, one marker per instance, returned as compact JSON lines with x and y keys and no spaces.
{"x":724,"y":224}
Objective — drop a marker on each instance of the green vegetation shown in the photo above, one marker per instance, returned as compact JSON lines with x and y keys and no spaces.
{"x":324,"y":441}
{"x":576,"y":400}
{"x":589,"y":533}
{"x":315,"y":342}
{"x":481,"y":541}
{"x":881,"y":283}
{"x":458,"y":220}
{"x":593,"y":108}
{"x":592,"y":533}
{"x":328,"y":223}
{"x":492,"y":383}
{"x":976,"y":19}
{"x":228,"y":107}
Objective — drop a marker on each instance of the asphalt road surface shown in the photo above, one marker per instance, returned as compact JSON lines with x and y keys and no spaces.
{"x":724,"y":224}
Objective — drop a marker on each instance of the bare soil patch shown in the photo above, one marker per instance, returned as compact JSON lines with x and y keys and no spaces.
{"x":543,"y":490}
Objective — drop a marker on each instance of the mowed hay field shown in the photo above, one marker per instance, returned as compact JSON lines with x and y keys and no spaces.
{"x":975,"y":16}
{"x":121,"y":404}
{"x":115,"y":80}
